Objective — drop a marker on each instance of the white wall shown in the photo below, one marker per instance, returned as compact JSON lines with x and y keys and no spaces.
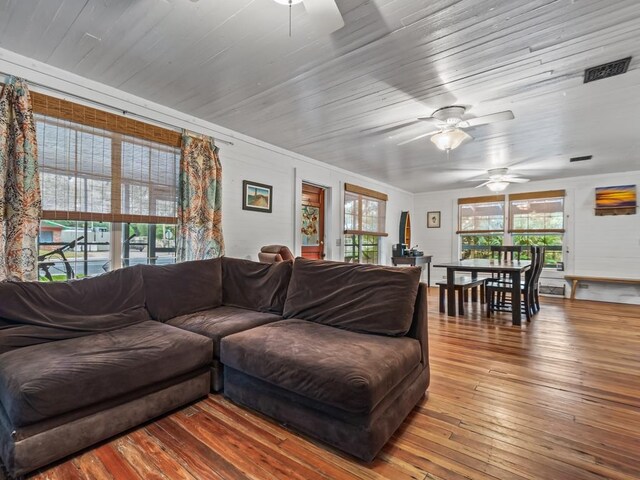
{"x":605,"y":246}
{"x":602,"y":246}
{"x":248,"y":159}
{"x":246,"y":231}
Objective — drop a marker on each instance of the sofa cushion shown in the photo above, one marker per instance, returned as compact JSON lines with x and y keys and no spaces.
{"x":33,"y":312}
{"x":363,"y":298}
{"x":187,"y":287}
{"x":256,"y":286}
{"x":347,"y":370}
{"x":42,"y":381}
{"x":219,"y":322}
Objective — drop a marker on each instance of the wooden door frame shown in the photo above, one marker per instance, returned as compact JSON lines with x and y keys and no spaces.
{"x":328,"y":215}
{"x":315,"y":193}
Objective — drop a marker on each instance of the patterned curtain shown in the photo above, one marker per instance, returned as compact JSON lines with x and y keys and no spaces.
{"x":20,"y":203}
{"x":199,"y":200}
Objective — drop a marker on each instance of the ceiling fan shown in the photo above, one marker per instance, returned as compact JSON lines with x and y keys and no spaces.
{"x":499,"y":179}
{"x":450,"y":124}
{"x":325,"y":14}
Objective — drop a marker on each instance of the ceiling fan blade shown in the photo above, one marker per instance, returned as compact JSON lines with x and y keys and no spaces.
{"x":483,"y":184}
{"x":379,"y":130}
{"x":517,"y":180}
{"x":326,"y":15}
{"x":429,"y":119}
{"x":491,"y":118}
{"x":419,"y":137}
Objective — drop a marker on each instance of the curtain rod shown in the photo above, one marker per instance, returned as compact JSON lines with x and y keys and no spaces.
{"x":110,"y":107}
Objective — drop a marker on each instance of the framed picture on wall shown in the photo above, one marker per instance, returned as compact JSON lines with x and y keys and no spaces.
{"x":257,"y":197}
{"x":433,"y":219}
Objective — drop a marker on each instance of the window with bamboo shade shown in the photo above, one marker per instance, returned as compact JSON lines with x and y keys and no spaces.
{"x":109,"y":184}
{"x":481,"y":222}
{"x":537,"y":219}
{"x":94,"y":174}
{"x":364,"y":223}
{"x":534,"y":219}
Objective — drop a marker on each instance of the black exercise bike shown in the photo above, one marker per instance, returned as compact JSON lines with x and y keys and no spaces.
{"x":59,"y":256}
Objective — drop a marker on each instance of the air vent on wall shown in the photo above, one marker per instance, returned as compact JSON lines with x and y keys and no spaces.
{"x":607,"y":70}
{"x":581,"y":159}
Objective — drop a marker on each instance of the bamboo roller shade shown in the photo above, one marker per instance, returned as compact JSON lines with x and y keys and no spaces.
{"x":64,"y":109}
{"x":536,"y":195}
{"x":512,"y":196}
{"x":350,"y":187}
{"x":485,"y":199}
{"x":366,"y":232}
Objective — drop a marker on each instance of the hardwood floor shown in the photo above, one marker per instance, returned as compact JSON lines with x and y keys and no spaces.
{"x":556,"y":399}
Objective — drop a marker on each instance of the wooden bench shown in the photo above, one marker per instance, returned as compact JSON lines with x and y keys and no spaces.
{"x":462,"y":287}
{"x":575,"y":279}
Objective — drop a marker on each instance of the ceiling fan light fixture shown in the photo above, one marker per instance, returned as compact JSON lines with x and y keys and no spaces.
{"x":449,"y":139}
{"x":497,"y":186}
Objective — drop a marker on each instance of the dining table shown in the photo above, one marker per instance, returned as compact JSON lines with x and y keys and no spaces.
{"x":515,"y":269}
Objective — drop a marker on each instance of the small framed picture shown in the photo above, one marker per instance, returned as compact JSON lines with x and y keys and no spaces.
{"x":433,"y":219}
{"x":257,"y":197}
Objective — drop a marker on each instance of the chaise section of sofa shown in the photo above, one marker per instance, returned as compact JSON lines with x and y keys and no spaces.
{"x":349,"y":363}
{"x":82,"y":361}
{"x":217,"y":298}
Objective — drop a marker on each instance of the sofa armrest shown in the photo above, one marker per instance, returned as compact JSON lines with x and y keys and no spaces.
{"x":419,"y":326}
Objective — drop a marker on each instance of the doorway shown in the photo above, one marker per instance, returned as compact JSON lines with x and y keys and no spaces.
{"x":313,"y":214}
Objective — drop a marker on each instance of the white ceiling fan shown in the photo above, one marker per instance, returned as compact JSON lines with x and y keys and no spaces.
{"x":450,"y":124}
{"x":325,"y":14}
{"x":499,"y":179}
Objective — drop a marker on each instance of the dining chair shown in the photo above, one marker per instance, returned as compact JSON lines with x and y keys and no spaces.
{"x":505,"y":253}
{"x":498,"y":291}
{"x":535,"y":283}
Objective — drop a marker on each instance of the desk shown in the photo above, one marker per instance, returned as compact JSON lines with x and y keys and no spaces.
{"x":515,"y":269}
{"x":415,"y":261}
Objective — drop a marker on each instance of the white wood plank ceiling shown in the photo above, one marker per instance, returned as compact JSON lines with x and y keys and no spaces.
{"x":335,"y":97}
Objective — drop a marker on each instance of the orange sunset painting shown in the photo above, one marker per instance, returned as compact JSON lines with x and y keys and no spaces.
{"x":616,"y":197}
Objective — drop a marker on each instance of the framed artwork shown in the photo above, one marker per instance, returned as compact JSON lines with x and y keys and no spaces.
{"x":257,"y":197}
{"x":433,"y":219}
{"x":618,"y":200}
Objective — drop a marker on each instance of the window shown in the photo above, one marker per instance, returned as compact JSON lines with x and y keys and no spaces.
{"x":153,"y":244}
{"x":109,"y":190}
{"x":481,"y":223}
{"x":361,"y":249}
{"x":537,"y":219}
{"x":77,"y":249}
{"x":93,"y":174}
{"x":364,"y":224}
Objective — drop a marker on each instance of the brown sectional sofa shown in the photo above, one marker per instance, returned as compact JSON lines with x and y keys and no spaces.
{"x":233,"y":296}
{"x":337,"y":351}
{"x":82,"y":361}
{"x":349,"y":362}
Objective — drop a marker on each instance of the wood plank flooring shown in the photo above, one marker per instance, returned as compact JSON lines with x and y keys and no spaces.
{"x":556,"y":399}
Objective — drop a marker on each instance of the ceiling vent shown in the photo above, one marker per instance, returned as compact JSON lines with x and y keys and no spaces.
{"x":607,"y":70}
{"x":581,"y":159}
